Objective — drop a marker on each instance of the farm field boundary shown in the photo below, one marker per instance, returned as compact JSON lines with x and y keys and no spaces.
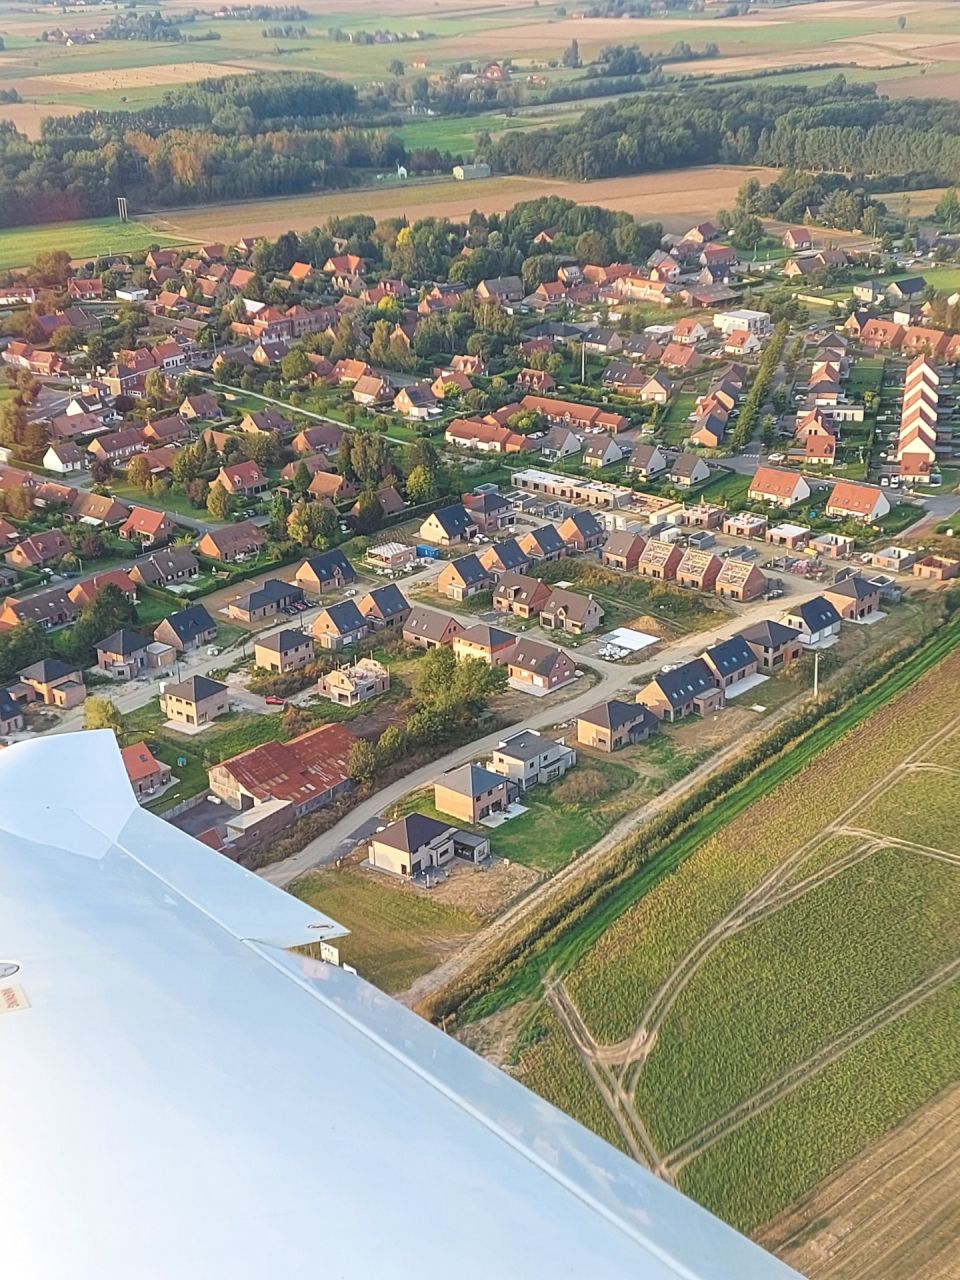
{"x":553,"y":943}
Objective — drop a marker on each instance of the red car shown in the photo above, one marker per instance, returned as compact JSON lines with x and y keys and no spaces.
{"x":273,"y":701}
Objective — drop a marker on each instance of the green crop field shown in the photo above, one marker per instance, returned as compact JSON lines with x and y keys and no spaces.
{"x":775,"y":993}
{"x":758,"y":1169}
{"x":85,"y":239}
{"x":616,"y":979}
{"x":740,"y":1000}
{"x":921,"y":807}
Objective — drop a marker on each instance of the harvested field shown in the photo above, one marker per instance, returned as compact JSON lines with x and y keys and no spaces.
{"x":26,"y":116}
{"x":135,"y":77}
{"x":675,"y":197}
{"x":891,"y":1213}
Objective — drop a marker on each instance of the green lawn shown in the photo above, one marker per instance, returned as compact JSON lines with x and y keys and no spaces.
{"x":728,"y":487}
{"x":676,"y":426}
{"x":562,"y":820}
{"x":175,"y":504}
{"x":83,"y":239}
{"x":396,"y":932}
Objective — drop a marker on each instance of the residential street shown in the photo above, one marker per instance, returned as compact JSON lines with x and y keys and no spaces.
{"x":615,"y":678}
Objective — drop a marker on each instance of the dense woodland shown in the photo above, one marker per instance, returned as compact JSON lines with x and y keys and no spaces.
{"x":839,"y":126}
{"x":282,"y":133}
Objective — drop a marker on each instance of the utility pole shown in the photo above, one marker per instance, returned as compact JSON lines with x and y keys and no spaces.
{"x":583,"y":363}
{"x":816,"y":676}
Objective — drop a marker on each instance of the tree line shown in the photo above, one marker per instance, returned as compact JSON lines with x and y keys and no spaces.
{"x":838,"y":126}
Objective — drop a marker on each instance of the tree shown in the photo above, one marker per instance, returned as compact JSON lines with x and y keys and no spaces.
{"x":901,"y":21}
{"x":101,"y":713}
{"x":279,"y":510}
{"x":155,"y":386}
{"x":392,"y":745}
{"x":295,"y":365}
{"x":421,"y":486}
{"x":368,"y":514}
{"x":362,"y":762}
{"x":302,"y":480}
{"x":395,"y":67}
{"x":947,"y":210}
{"x":139,"y":473}
{"x":110,"y":610}
{"x":219,"y":502}
{"x":20,"y":646}
{"x":571,"y":55}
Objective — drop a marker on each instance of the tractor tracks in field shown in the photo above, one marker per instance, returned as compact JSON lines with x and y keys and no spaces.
{"x":616,"y":1068}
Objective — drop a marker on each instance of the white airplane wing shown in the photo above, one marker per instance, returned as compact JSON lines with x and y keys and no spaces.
{"x":183,"y":1099}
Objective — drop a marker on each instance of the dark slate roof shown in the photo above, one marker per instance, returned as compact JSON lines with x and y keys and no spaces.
{"x":196,"y":688}
{"x":412,"y":832}
{"x":8,"y":706}
{"x":910,"y":285}
{"x":283,"y":641}
{"x":487,"y":502}
{"x":345,"y":616}
{"x":491,"y":637}
{"x":454,"y":519}
{"x":47,"y":669}
{"x":616,"y":714}
{"x":326,"y":565}
{"x":124,"y":642}
{"x":531,"y":655}
{"x":548,"y":539}
{"x":273,"y":591}
{"x":470,"y":569}
{"x":816,"y":613}
{"x":389,"y":599}
{"x":587,"y":523}
{"x":770,"y":634}
{"x":686,"y":682}
{"x":192,"y":622}
{"x":731,"y":655}
{"x":510,"y":554}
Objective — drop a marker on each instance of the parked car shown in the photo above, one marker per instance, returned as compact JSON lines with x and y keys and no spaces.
{"x":272,"y":700}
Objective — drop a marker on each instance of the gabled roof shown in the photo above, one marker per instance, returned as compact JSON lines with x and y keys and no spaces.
{"x":508,"y":552}
{"x":469,"y":569}
{"x":815,"y":614}
{"x":191,"y":622}
{"x":531,"y":655}
{"x":617,"y":714}
{"x":47,"y":670}
{"x":345,"y":616}
{"x":124,"y":642}
{"x":488,"y":637}
{"x":388,"y":600}
{"x":196,"y":689}
{"x":730,"y":655}
{"x":427,"y":623}
{"x":686,"y":682}
{"x":853,"y":588}
{"x":283,"y":641}
{"x":327,"y":563}
{"x":453,"y":520}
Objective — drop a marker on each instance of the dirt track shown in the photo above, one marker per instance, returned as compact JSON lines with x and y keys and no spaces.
{"x":891,"y":1214}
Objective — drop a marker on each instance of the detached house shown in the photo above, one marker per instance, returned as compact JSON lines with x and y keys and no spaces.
{"x":541,"y":544}
{"x":615,"y":724}
{"x":582,"y":531}
{"x":538,"y":668}
{"x":857,"y":501}
{"x":855,"y":599}
{"x":692,"y":687}
{"x":570,"y":611}
{"x":448,"y":526}
{"x":815,"y":621}
{"x":463,"y":578}
{"x":38,"y":550}
{"x":520,"y":595}
{"x":429,"y":629}
{"x":774,"y":645}
{"x":491,"y":645}
{"x":385,"y":608}
{"x":243,"y":479}
{"x":232,"y":543}
{"x":623,"y":550}
{"x":339,"y":625}
{"x":327,"y":571}
{"x":149,"y":528}
{"x":778,"y":487}
{"x":188,"y":629}
{"x":528,"y":759}
{"x":731,"y":661}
